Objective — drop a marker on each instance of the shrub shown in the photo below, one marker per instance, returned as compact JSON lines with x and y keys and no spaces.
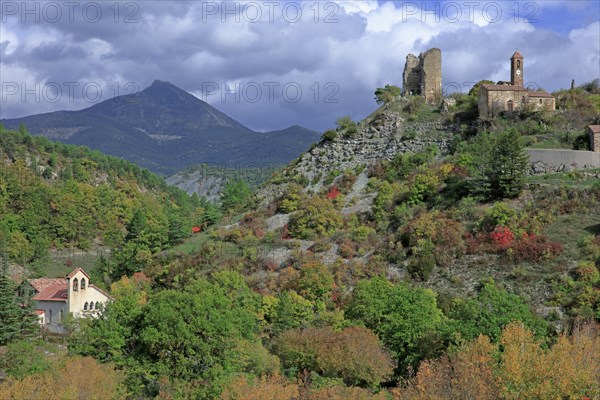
{"x":588,"y":272}
{"x":534,"y":248}
{"x":291,"y":198}
{"x":315,"y":218}
{"x":329,"y":135}
{"x":421,"y":265}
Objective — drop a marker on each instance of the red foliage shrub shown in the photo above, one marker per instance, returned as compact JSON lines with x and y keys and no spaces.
{"x":533,"y":248}
{"x":501,"y":238}
{"x":333,"y":193}
{"x":285,"y":232}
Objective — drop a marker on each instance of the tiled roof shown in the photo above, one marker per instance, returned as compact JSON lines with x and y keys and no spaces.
{"x":493,"y":87}
{"x":76,"y":270}
{"x":517,"y":55}
{"x":57,"y":292}
{"x":42,"y":283}
{"x":540,"y":93}
{"x":594,"y":128}
{"x":38,"y":312}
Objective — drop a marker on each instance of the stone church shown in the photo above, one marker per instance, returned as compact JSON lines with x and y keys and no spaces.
{"x":512,"y":96}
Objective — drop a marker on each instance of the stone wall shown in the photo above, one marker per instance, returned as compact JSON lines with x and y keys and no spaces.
{"x":554,"y":160}
{"x":423,"y":75}
{"x":541,"y":103}
{"x":594,"y":139}
{"x":431,"y":81}
{"x":411,"y":77}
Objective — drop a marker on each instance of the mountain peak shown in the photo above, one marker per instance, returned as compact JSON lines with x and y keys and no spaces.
{"x":159,"y":83}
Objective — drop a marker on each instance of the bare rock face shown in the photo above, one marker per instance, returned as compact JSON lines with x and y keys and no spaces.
{"x":423,"y":76}
{"x":381,"y":136}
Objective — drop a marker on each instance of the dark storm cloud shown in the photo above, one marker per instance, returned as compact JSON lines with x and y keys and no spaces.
{"x":198,"y":46}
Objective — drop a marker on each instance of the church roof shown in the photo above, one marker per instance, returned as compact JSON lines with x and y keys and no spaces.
{"x":539,"y":93}
{"x":594,"y":128}
{"x":75,"y":271}
{"x":42,"y":283}
{"x":504,"y":88}
{"x":55,"y":292}
{"x":517,"y":55}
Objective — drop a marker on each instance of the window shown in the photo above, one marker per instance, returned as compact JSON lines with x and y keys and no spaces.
{"x":97,"y":305}
{"x":509,"y":105}
{"x":91,"y":305}
{"x":49,"y":321}
{"x":82,"y":283}
{"x":60,"y":316}
{"x":75,"y":285}
{"x":518,"y":63}
{"x":541,"y":101}
{"x":85,"y":306}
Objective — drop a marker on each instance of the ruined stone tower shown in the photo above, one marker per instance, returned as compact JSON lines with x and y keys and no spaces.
{"x":423,"y":75}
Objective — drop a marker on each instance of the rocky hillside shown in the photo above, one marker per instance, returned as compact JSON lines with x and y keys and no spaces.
{"x":380,"y":136}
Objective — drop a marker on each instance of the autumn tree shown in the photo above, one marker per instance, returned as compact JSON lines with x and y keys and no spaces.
{"x":80,"y":378}
{"x":353,"y":354}
{"x":315,"y":217}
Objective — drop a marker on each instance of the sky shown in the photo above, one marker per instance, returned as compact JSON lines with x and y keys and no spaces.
{"x":272,"y":64}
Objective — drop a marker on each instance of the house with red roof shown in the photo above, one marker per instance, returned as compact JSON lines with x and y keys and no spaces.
{"x":56,"y":298}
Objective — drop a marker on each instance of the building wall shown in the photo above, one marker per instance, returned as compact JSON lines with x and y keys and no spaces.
{"x":54,"y":323}
{"x":423,"y":75}
{"x":496,"y":101}
{"x":431,"y":80}
{"x":542,"y":103}
{"x":411,"y":78}
{"x":78,"y":298}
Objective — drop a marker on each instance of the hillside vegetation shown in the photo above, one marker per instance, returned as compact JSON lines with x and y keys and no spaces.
{"x":406,"y":256}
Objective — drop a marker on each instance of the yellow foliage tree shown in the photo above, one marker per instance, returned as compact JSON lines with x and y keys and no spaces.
{"x":80,"y":378}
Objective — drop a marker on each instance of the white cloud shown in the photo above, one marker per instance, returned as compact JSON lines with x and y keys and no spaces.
{"x":365,"y":48}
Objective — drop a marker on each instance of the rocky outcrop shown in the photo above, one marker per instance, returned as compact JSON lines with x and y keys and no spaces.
{"x":380,"y":136}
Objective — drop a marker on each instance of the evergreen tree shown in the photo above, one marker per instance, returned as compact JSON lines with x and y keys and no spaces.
{"x":136,"y":226}
{"x":10,"y":312}
{"x":235,"y":194}
{"x":509,"y":164}
{"x":499,"y":164}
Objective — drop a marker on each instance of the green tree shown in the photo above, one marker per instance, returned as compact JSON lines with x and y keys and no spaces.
{"x":406,"y":319}
{"x":191,"y":336}
{"x":490,"y":311}
{"x":387,"y":94}
{"x":235,"y":194}
{"x":137,"y":226}
{"x":315,"y":284}
{"x":509,"y":164}
{"x":10,"y":312}
{"x":499,"y":163}
{"x":17,"y":320}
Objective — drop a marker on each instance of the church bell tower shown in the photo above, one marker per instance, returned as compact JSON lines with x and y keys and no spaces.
{"x":516,"y":69}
